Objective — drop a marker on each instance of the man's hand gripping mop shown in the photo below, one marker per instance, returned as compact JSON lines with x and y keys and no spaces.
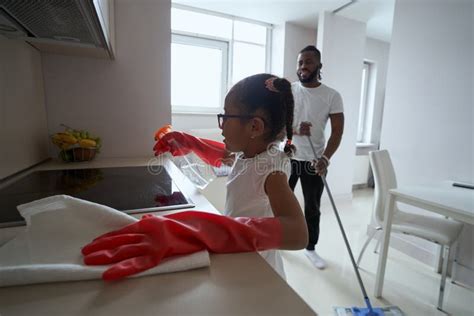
{"x":358,"y":311}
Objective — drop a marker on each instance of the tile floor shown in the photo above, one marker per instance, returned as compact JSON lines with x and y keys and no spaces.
{"x":409,"y":284}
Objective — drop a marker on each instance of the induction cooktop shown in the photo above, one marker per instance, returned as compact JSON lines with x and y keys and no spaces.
{"x":128,"y":189}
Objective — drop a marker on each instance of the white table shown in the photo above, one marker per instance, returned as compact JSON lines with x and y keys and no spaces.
{"x":442,"y":198}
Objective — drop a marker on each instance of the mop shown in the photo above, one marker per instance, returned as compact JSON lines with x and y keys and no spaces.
{"x":355,"y":311}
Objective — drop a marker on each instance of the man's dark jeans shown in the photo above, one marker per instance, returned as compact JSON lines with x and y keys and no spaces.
{"x":313,"y":187}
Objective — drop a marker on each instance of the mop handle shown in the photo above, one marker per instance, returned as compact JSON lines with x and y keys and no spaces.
{"x":361,"y":284}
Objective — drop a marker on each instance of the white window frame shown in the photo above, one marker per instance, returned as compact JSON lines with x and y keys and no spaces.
{"x":230,"y":41}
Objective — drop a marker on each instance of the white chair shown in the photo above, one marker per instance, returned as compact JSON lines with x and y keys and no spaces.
{"x":442,"y":231}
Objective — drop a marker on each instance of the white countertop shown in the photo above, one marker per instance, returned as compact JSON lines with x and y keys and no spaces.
{"x":234,"y":284}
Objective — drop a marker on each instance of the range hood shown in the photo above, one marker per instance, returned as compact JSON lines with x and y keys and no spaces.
{"x":61,"y":26}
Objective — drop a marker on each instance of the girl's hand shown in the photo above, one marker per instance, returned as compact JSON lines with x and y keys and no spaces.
{"x":172,"y":142}
{"x":179,"y":144}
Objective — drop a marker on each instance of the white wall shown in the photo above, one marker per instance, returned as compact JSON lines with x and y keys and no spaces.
{"x":429,"y":106}
{"x":124,"y":100}
{"x":342,"y":42}
{"x":361,"y":170}
{"x":23,"y":125}
{"x":377,"y":52}
{"x":428,"y":115}
{"x":296,"y":38}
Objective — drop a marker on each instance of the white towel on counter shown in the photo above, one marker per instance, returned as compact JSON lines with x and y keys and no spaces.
{"x":49,"y":250}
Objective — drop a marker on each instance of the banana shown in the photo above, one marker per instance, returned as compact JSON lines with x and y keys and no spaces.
{"x":56,"y":140}
{"x":65,"y":138}
{"x":87,"y":143}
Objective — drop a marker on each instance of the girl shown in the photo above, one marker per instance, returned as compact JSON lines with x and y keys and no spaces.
{"x":262,"y":213}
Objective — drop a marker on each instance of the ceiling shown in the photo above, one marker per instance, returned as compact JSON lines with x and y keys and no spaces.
{"x":378,"y":14}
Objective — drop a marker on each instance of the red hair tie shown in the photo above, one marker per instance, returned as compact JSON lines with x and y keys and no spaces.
{"x":288,"y":141}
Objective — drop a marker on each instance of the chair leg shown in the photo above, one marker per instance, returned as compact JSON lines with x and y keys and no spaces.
{"x":439,"y":260}
{"x":443,"y":277}
{"x":369,"y":238}
{"x":377,"y":246}
{"x":455,"y":262}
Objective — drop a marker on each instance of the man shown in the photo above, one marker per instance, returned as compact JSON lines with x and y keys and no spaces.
{"x":315,"y":103}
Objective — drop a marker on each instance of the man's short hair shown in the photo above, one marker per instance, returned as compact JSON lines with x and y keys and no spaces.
{"x":312,"y":48}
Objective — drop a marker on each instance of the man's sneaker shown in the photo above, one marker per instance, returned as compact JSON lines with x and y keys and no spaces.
{"x":315,"y":259}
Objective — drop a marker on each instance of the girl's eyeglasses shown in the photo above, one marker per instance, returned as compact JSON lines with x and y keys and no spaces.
{"x":221,"y":118}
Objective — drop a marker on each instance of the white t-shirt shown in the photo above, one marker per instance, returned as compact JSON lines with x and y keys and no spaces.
{"x":246,"y":195}
{"x":313,"y":105}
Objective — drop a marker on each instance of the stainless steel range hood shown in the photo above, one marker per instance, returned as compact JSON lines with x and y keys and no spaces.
{"x":61,"y":26}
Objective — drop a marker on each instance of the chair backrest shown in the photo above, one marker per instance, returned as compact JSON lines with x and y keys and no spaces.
{"x":384,"y":178}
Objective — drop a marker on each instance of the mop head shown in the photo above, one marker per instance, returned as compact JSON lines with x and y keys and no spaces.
{"x":376,"y":311}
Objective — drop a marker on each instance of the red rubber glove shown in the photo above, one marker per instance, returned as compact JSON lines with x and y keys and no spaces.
{"x":142,"y":245}
{"x":179,"y":144}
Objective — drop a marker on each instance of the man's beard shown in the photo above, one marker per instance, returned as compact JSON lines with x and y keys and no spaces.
{"x":310,"y":78}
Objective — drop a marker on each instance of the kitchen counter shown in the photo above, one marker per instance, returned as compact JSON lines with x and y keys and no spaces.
{"x":234,"y":284}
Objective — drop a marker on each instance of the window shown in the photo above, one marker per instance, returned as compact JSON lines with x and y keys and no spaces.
{"x":249,"y":50}
{"x":366,"y":108}
{"x":198,"y":86}
{"x":218,"y":51}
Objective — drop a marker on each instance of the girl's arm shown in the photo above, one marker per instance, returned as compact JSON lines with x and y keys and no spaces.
{"x":229,"y":158}
{"x":145,"y":243}
{"x":286,"y":208}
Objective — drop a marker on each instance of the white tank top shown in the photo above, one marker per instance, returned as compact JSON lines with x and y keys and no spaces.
{"x":246,"y":195}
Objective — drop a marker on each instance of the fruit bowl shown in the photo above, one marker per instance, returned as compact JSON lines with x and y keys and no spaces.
{"x":78,"y":154}
{"x":76,"y":145}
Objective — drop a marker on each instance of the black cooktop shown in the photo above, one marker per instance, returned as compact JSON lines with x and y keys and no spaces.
{"x":127,"y":189}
